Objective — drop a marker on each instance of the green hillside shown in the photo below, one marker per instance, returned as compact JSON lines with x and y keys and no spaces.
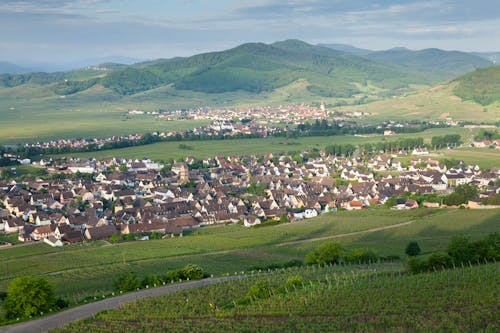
{"x":481,"y":86}
{"x":444,"y":65}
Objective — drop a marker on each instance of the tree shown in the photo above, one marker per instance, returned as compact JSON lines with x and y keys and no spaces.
{"x":193,"y":272}
{"x":412,"y":249}
{"x":327,"y":253}
{"x":28,"y":296}
{"x":122,"y":168}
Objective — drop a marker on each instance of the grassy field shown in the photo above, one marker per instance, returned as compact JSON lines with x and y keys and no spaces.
{"x":437,"y":103}
{"x":165,"y":150}
{"x":32,"y":112}
{"x":76,"y":270}
{"x":369,"y":298}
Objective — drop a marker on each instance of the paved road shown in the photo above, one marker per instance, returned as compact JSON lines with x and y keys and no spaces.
{"x":88,"y":310}
{"x":367,"y":231}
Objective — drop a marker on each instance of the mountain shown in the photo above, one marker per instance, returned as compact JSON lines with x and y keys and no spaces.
{"x":10,"y":68}
{"x":257,"y":67}
{"x":481,"y":86}
{"x":444,"y":65}
{"x":347,"y":48}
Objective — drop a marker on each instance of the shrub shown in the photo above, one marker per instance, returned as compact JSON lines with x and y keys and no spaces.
{"x":412,"y":249}
{"x":259,"y":290}
{"x":462,"y":250}
{"x":151,"y":280}
{"x":361,"y":256}
{"x":438,"y":261}
{"x":293,"y":282}
{"x":127,"y":282}
{"x":327,"y":253}
{"x":193,"y":272}
{"x":28,"y":296}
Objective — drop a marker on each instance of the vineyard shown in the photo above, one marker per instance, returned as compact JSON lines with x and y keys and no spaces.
{"x":348,"y":298}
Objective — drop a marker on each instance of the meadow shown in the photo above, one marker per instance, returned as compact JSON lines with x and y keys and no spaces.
{"x":87,"y":270}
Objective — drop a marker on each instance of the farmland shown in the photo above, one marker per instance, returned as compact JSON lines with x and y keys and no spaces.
{"x":202,"y":149}
{"x":220,"y":250}
{"x":370,"y":298}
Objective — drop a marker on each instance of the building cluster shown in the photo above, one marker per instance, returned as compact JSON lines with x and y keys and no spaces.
{"x":140,"y":196}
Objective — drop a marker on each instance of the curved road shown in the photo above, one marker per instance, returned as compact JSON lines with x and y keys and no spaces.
{"x":88,"y":310}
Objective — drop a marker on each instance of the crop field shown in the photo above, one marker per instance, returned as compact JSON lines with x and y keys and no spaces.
{"x":437,"y":103}
{"x":201,"y":149}
{"x":228,"y":249}
{"x":369,"y":298}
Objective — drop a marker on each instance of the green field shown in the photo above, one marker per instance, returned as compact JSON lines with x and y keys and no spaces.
{"x":369,"y":298}
{"x":77,"y":272}
{"x":201,"y":149}
{"x":434,"y":103}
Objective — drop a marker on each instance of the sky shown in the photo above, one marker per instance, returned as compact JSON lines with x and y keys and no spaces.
{"x":35,"y":31}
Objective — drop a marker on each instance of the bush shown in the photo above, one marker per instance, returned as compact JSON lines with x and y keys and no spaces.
{"x":328,"y":253}
{"x":416,"y":265}
{"x":438,"y":261}
{"x":193,"y":272}
{"x":127,"y":282}
{"x":259,"y":290}
{"x":361,"y":256}
{"x":28,"y":296}
{"x":462,"y":250}
{"x":293,"y":282}
{"x":151,"y":281}
{"x":412,"y":249}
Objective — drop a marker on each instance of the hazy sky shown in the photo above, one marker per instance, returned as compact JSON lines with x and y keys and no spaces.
{"x":69,"y":30}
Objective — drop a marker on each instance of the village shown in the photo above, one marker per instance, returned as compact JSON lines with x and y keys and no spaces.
{"x":88,"y":199}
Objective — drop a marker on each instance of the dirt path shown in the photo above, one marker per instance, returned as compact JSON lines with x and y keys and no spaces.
{"x":367,"y":231}
{"x":88,"y":310}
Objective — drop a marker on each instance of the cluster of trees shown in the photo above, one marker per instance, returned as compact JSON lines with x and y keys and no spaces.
{"x":485,"y":134}
{"x":461,"y":250}
{"x":29,"y":296}
{"x":340,"y":150}
{"x":257,"y":189}
{"x":405,"y":144}
{"x":130,"y":281}
{"x":334,"y":253}
{"x":448,"y":140}
{"x":324,"y":128}
{"x":461,"y":195}
{"x":72,"y":87}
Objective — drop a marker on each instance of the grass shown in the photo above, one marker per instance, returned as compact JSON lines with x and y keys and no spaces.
{"x":201,"y":149}
{"x":76,"y":270}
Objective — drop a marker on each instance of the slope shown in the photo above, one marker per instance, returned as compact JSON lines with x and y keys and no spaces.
{"x":481,"y":86}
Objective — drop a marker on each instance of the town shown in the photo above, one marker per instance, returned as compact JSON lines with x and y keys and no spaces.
{"x":87,"y":199}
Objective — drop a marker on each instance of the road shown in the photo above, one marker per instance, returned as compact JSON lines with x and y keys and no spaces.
{"x":88,"y":310}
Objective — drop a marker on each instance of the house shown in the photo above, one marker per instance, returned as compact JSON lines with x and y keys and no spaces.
{"x":52,"y":241}
{"x":102,"y":232}
{"x":354,"y":205}
{"x":251,"y":220}
{"x":420,"y":151}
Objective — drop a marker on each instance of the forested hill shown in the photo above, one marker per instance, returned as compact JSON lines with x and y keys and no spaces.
{"x":481,"y":86}
{"x":252,"y":67}
{"x":258,"y":67}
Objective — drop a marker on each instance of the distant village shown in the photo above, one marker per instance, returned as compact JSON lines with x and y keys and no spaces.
{"x":100,"y":199}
